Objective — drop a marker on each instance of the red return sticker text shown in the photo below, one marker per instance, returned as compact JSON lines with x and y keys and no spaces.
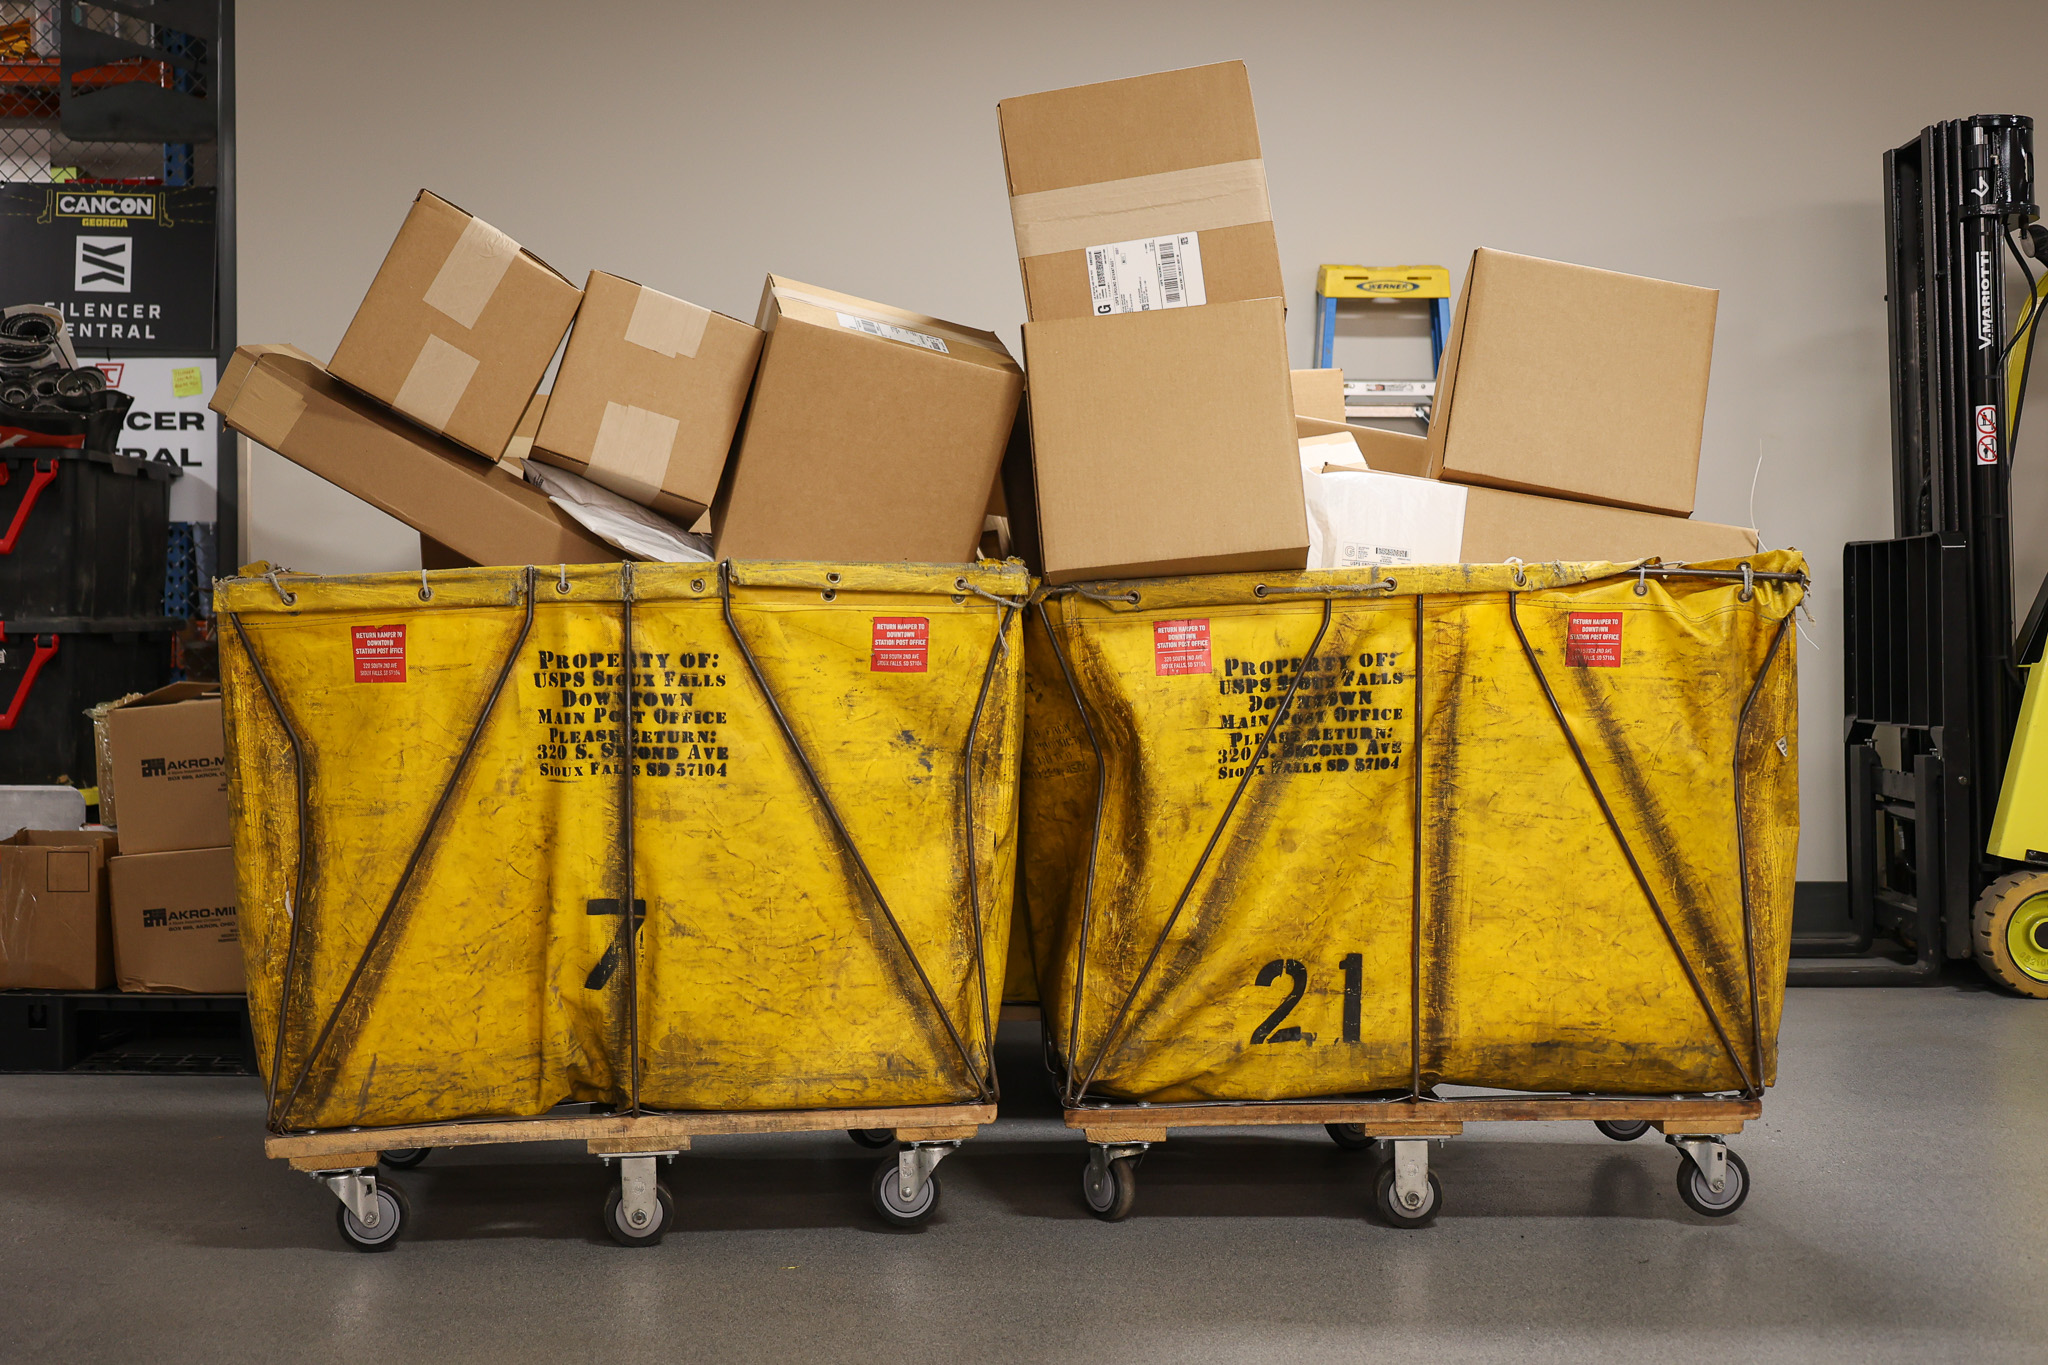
{"x":1180,"y":647}
{"x":901,"y":644}
{"x":380,"y":653}
{"x":1593,"y":640}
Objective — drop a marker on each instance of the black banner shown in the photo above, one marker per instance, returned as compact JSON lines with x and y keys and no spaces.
{"x":129,"y":266}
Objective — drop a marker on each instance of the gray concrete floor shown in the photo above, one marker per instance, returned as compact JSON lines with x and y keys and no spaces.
{"x":1899,"y":1212}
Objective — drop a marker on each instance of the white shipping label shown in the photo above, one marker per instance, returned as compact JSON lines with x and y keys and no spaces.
{"x":1357,"y":519}
{"x":1151,"y":272}
{"x":892,"y":332}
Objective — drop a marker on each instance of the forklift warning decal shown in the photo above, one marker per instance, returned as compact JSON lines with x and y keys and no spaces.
{"x":1593,"y":640}
{"x":1987,"y":434}
{"x":900,"y":644}
{"x":1180,"y":647}
{"x":380,"y":653}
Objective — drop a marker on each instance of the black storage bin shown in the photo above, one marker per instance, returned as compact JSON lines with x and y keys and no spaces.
{"x":52,"y":669}
{"x":82,"y":533}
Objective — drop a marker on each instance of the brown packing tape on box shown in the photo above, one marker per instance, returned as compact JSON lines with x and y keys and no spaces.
{"x":666,"y":325}
{"x":1198,"y":199}
{"x":475,"y":266}
{"x":631,"y":451}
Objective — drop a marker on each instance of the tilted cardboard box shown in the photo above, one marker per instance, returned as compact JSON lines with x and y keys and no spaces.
{"x":1161,"y":443}
{"x":458,"y":327}
{"x":874,"y":434}
{"x":1576,"y":383}
{"x":281,"y":398}
{"x":175,"y":924}
{"x":54,"y":933}
{"x":168,"y":758}
{"x":1140,"y":194}
{"x":648,"y":396}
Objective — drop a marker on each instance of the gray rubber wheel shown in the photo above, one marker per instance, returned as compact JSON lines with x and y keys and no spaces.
{"x":392,"y":1213}
{"x":1394,"y":1214}
{"x":1352,"y":1137}
{"x":1692,"y":1188}
{"x":403,"y":1158}
{"x":876,"y":1138}
{"x":1113,"y":1192}
{"x":624,"y":1233}
{"x":1623,"y":1130}
{"x":889,"y":1202}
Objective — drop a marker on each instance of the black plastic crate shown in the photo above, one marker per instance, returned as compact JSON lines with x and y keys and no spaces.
{"x":82,"y":533}
{"x":51,"y":670}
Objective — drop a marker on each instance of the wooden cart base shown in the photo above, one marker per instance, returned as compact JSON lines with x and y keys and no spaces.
{"x":1711,"y":1179}
{"x":637,"y":1212}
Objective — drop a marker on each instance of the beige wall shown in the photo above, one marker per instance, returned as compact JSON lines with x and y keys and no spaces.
{"x":697,"y":146}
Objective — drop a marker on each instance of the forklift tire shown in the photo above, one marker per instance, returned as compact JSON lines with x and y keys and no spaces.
{"x":2011,"y":933}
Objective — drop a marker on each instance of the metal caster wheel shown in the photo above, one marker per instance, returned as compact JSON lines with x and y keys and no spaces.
{"x":876,"y":1138}
{"x":1623,"y":1130}
{"x":617,"y":1223}
{"x":1110,"y":1188}
{"x":1699,"y":1196}
{"x":887,"y":1189}
{"x":403,"y":1158}
{"x":1352,"y":1137}
{"x":392,"y":1212}
{"x":1395,"y":1214}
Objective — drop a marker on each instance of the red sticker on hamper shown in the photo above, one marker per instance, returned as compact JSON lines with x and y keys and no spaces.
{"x":902,"y":644}
{"x":1180,"y":647}
{"x":380,"y":653}
{"x":1593,"y":640}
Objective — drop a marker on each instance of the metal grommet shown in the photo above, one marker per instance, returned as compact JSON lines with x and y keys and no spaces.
{"x":1642,"y":580}
{"x":1389,"y":584}
{"x":426,"y":592}
{"x":958,"y":599}
{"x":562,"y":583}
{"x":832,"y":577}
{"x":1259,"y":591}
{"x":1521,"y":579}
{"x":696,"y":585}
{"x":1748,"y":583}
{"x":830,"y":594}
{"x":959,"y":585}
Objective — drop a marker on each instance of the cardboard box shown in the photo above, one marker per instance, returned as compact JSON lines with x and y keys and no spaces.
{"x":1140,"y":194}
{"x":520,"y":447}
{"x":1579,"y":383}
{"x":169,"y":762}
{"x":1390,"y":452}
{"x":874,"y":434}
{"x":1162,"y":443}
{"x":1495,"y":525}
{"x":175,"y":927}
{"x":648,"y":396}
{"x":458,"y":327}
{"x":1318,"y":394}
{"x":280,"y":397}
{"x":54,"y":933}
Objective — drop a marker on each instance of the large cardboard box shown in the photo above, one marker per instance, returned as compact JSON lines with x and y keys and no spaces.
{"x":54,"y":933}
{"x":874,"y":434}
{"x":280,"y":397}
{"x":168,"y":757}
{"x":175,"y":927}
{"x":1162,"y":443}
{"x":1318,"y":394}
{"x":1140,"y":194}
{"x":648,"y":396}
{"x":1574,"y":382}
{"x":458,"y":327}
{"x":1378,"y":516}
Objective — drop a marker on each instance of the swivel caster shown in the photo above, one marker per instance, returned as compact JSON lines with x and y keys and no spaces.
{"x":639,"y":1209}
{"x":1407,"y":1192}
{"x":1352,"y":1137}
{"x":1703,"y":1163}
{"x":876,"y":1138}
{"x":905,"y":1187}
{"x":403,"y":1158}
{"x":1109,"y":1182}
{"x":1623,"y":1130}
{"x":371,"y":1213}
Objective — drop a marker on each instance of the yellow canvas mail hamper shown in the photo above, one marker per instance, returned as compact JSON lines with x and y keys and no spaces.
{"x":434,"y":815}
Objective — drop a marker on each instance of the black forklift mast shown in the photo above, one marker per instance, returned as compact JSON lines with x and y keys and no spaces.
{"x":1932,"y":680}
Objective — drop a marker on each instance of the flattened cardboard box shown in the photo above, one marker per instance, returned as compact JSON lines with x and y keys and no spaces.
{"x":1163,"y":443}
{"x":280,"y":397}
{"x":1576,"y":383}
{"x":175,"y":926}
{"x":458,"y":327}
{"x":169,"y":762}
{"x":1140,"y":194}
{"x":649,"y":395}
{"x":54,"y":933}
{"x":873,"y":434}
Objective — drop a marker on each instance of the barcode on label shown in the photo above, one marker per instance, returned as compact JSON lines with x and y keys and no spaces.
{"x":1169,"y":270}
{"x":1150,"y":272}
{"x":891,"y":332}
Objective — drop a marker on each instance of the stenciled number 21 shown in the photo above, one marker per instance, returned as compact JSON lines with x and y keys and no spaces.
{"x":1271,"y":1031}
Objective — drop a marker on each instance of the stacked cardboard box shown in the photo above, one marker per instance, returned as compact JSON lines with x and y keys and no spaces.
{"x":53,"y":911}
{"x":173,"y":883}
